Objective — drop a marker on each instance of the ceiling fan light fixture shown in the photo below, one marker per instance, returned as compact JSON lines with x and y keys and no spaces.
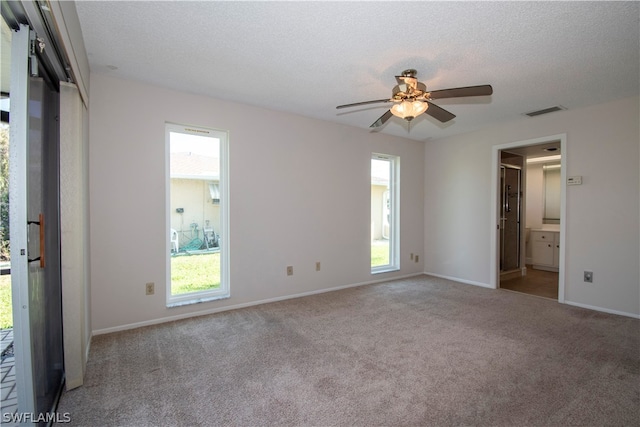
{"x":408,"y":109}
{"x":411,"y":98}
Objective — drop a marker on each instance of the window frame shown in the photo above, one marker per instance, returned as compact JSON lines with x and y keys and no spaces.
{"x":224,"y":290}
{"x":394,"y":213}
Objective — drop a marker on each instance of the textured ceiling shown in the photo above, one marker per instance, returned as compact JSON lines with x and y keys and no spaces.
{"x":308,"y":57}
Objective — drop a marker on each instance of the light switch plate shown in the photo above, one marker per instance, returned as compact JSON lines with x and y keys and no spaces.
{"x":574,"y":180}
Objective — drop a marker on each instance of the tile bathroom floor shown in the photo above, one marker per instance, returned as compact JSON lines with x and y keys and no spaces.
{"x":537,"y":282}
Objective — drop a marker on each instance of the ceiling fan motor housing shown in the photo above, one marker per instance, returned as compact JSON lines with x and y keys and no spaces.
{"x":405,"y":91}
{"x":409,"y":73}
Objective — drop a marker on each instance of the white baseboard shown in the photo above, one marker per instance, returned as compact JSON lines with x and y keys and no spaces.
{"x":604,"y":310}
{"x":316,"y":292}
{"x":243,"y":305}
{"x":456,"y":279}
{"x":575,"y":304}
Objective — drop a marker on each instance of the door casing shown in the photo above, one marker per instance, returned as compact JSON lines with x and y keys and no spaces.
{"x":494,"y":267}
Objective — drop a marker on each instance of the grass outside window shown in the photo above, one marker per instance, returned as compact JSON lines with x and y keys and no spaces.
{"x":380,"y":253}
{"x":195,"y":273}
{"x":6,"y":312}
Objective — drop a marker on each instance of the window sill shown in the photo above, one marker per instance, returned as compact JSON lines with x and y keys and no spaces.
{"x":197,"y":300}
{"x":384,"y":270}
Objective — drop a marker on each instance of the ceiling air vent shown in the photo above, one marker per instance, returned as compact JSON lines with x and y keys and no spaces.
{"x":545,"y":111}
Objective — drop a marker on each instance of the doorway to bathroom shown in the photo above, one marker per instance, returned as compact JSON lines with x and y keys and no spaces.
{"x":529,"y":211}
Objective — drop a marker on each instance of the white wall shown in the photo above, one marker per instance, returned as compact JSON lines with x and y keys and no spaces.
{"x":300,"y":191}
{"x":602,"y":230}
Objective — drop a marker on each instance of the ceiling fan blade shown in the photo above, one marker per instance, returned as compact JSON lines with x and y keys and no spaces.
{"x":462,"y":91}
{"x":382,"y":119}
{"x":355,"y":104}
{"x":439,"y":113}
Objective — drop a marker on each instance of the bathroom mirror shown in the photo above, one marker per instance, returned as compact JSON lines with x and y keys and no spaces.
{"x":551,"y":178}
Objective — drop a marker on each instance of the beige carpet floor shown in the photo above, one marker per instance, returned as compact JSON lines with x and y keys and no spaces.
{"x":415,"y":352}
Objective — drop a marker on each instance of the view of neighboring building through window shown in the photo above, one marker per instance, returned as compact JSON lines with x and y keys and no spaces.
{"x":197,"y":234}
{"x":384,"y":213}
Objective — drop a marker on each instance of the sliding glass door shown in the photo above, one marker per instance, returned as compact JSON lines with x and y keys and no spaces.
{"x":35,"y":232}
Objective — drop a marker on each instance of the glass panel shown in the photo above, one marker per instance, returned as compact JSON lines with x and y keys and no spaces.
{"x":6,"y":310}
{"x":510,"y":218}
{"x":194,"y":213}
{"x":45,"y":305}
{"x":380,"y":212}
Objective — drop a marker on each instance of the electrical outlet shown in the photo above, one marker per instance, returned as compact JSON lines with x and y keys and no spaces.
{"x":317,"y":265}
{"x":290,"y":270}
{"x":150,"y":288}
{"x":417,"y":258}
{"x":588,"y":276}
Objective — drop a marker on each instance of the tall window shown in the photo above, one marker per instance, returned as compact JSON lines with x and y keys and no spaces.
{"x":197,"y":214}
{"x":385,"y":196}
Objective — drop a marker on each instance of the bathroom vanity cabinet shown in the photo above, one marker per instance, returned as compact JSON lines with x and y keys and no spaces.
{"x":545,"y":249}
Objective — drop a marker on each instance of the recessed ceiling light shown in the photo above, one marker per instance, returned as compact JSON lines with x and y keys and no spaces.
{"x":551,"y":149}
